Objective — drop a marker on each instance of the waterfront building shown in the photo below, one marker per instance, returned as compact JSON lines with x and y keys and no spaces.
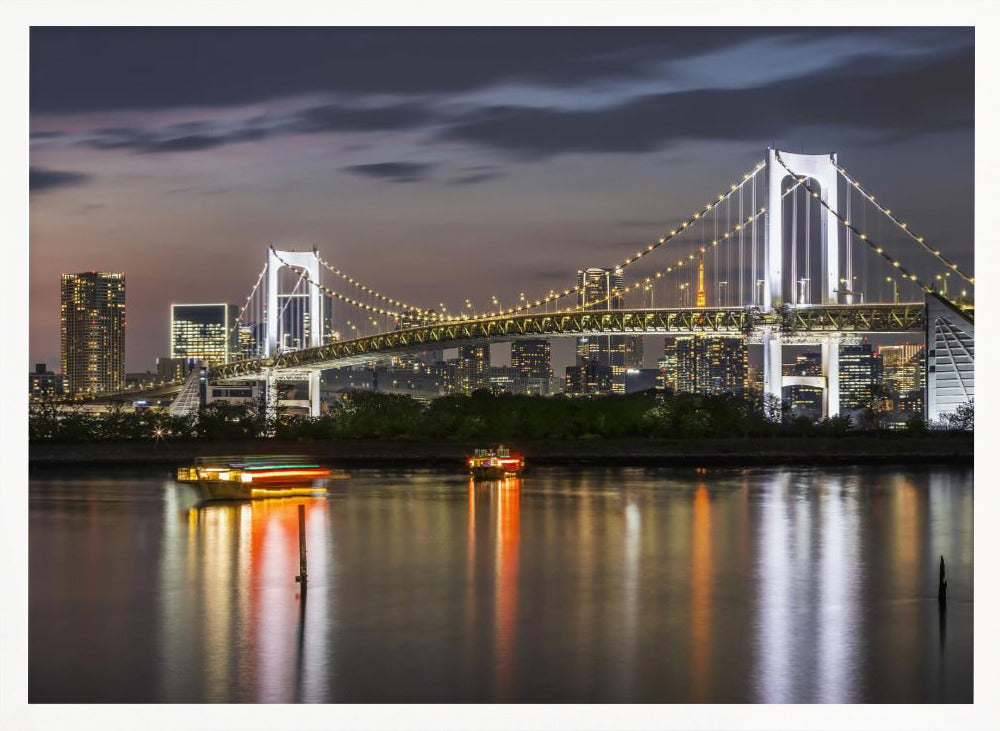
{"x":92,"y":331}
{"x":472,"y":371}
{"x":43,"y":383}
{"x":704,"y":364}
{"x":603,"y":289}
{"x":860,"y":376}
{"x":206,"y":332}
{"x":532,"y":358}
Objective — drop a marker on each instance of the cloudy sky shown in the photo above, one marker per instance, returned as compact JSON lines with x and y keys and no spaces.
{"x":437,"y":164}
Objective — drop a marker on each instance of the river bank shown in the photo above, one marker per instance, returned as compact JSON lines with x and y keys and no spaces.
{"x":899,"y":449}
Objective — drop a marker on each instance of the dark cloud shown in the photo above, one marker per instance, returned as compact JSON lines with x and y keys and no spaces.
{"x":99,"y":69}
{"x":475,"y":175}
{"x":204,"y":135}
{"x":394,"y":172}
{"x":41,"y":180}
{"x":897,"y":99}
{"x":340,"y":118}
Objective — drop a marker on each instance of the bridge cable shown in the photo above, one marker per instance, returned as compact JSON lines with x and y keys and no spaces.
{"x":664,"y":239}
{"x":253,"y":290}
{"x":724,"y":239}
{"x":905,"y":228}
{"x":864,"y":237}
{"x":371,"y":292}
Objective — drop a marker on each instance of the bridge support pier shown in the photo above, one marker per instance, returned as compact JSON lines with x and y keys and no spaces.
{"x":772,"y":373}
{"x":270,"y":402}
{"x":314,"y":393}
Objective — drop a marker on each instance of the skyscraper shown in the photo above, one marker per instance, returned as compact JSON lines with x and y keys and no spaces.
{"x":207,"y":332}
{"x":472,"y":371}
{"x":92,"y":331}
{"x":705,"y":365}
{"x":603,"y":289}
{"x":860,"y":375}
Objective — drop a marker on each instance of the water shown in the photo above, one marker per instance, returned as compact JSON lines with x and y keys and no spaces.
{"x":667,"y":585}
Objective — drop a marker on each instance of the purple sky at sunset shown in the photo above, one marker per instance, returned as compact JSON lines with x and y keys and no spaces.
{"x":439,"y":164}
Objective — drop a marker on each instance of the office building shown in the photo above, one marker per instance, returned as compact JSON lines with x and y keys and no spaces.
{"x":587,"y":379}
{"x":704,"y":364}
{"x":804,"y":400}
{"x":603,"y":289}
{"x":531,"y":358}
{"x":903,"y":377}
{"x":92,"y":331}
{"x":640,"y":379}
{"x":860,"y":376}
{"x":206,"y":332}
{"x":472,"y":372}
{"x":43,"y":383}
{"x":634,"y":351}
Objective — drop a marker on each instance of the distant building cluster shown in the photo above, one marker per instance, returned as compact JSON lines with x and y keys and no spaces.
{"x":886,"y":379}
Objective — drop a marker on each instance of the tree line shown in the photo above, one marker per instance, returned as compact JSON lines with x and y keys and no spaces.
{"x":479,"y":416}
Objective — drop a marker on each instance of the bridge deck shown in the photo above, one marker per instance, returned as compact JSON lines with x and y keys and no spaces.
{"x":902,"y":317}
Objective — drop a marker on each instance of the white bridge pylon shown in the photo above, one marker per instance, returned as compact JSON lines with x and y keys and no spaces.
{"x":822,"y":169}
{"x":308,"y":262}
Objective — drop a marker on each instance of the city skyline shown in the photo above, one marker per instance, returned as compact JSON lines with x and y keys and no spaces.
{"x":442,"y":165}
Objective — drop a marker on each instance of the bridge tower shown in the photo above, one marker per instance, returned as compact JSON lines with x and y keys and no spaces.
{"x":308,"y":262}
{"x":822,"y":171}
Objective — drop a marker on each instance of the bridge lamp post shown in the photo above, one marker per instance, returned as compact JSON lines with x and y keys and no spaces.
{"x":895,"y":289}
{"x":944,"y":282}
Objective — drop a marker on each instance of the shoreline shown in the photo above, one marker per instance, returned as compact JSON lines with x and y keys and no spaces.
{"x":582,"y":452}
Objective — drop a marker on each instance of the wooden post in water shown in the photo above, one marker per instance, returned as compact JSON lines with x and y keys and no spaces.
{"x":302,"y":577}
{"x":942,"y":585}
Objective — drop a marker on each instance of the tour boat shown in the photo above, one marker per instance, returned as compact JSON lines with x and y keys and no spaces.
{"x":244,"y":478}
{"x":495,"y":464}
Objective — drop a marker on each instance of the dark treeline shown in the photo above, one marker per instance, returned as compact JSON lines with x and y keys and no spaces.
{"x":481,"y":416}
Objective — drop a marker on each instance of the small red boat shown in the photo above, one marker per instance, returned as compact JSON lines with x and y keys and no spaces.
{"x":495,"y":464}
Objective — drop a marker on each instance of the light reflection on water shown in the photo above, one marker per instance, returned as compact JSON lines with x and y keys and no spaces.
{"x":763,"y":585}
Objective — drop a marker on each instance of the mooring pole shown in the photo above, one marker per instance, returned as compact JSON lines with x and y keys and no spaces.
{"x":302,"y":577}
{"x":942,"y":584}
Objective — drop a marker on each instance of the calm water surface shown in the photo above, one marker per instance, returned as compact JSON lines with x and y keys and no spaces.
{"x":656,"y":585}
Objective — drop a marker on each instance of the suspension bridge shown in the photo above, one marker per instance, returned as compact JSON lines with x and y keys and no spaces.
{"x":793,"y":252}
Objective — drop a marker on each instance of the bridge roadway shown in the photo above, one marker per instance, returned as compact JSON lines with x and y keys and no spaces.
{"x":874,"y":318}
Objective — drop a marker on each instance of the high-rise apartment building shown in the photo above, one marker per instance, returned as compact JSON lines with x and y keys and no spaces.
{"x":705,"y":365}
{"x":207,"y":332}
{"x":92,"y":331}
{"x":603,"y":289}
{"x":472,"y":372}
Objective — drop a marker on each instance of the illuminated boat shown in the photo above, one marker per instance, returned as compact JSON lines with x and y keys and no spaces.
{"x":245,"y":478}
{"x":495,"y":464}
